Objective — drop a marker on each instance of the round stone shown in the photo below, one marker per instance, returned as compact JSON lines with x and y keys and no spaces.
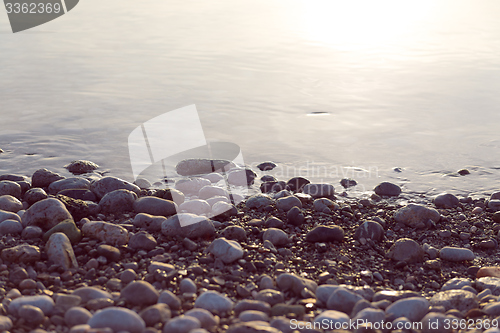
{"x":31,"y":314}
{"x":77,"y":316}
{"x":406,"y":249}
{"x":214,"y":301}
{"x":81,"y":166}
{"x":325,"y":234}
{"x":276,"y":236}
{"x":140,"y":293}
{"x":118,"y":319}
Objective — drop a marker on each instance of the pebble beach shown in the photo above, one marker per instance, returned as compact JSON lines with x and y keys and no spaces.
{"x":95,"y":253}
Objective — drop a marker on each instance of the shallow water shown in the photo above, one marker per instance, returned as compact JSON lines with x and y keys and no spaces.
{"x":327,"y":89}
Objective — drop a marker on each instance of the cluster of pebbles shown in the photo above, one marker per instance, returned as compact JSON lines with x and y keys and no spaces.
{"x":94,"y":253}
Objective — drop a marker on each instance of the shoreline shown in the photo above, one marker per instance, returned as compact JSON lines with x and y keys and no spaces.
{"x":267,"y":255}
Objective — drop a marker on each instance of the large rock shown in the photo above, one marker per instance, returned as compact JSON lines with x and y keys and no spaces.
{"x":155,"y":206}
{"x":449,"y":253}
{"x":214,"y":302}
{"x":323,"y":233}
{"x":149,"y":222}
{"x":369,"y":230}
{"x":68,"y":183}
{"x":259,"y":201}
{"x":288,"y":203}
{"x":21,"y":253}
{"x":60,"y":252}
{"x":198,"y":166}
{"x":43,"y":302}
{"x":44,"y":177}
{"x":188,"y":225}
{"x":46,"y":214}
{"x":227,"y":250}
{"x":416,"y":216}
{"x":406,"y":249}
{"x":106,"y":232}
{"x":446,"y":200}
{"x":413,"y":308}
{"x":319,"y":190}
{"x":10,"y":204}
{"x":387,"y":189}
{"x":81,"y":166}
{"x":118,"y":201}
{"x":118,"y":319}
{"x":8,"y":187}
{"x":110,"y":184}
{"x":140,"y":293}
{"x":461,"y":300}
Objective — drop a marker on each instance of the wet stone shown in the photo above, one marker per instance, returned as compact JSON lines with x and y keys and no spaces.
{"x":416,"y":216}
{"x":446,"y":201}
{"x":44,"y":177}
{"x":387,"y":189}
{"x":81,"y":166}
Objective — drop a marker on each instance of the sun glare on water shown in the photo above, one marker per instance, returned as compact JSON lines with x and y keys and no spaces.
{"x":351,"y":25}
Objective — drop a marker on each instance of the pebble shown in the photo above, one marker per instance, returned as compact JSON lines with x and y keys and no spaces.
{"x":234,"y":232}
{"x":195,"y":206}
{"x":224,"y":210}
{"x":111,"y":253}
{"x":413,"y":308}
{"x":170,"y":299}
{"x":191,"y":186}
{"x":143,"y":183}
{"x":270,"y":296}
{"x":109,"y":184}
{"x":43,"y":302}
{"x":68,"y":183}
{"x":118,"y":319}
{"x":287,"y":203}
{"x":461,"y":300}
{"x":198,"y":166}
{"x":5,"y":323}
{"x":155,"y":206}
{"x":67,"y":227}
{"x":32,"y":232}
{"x":142,"y":241}
{"x":343,"y":300}
{"x":44,"y":177}
{"x":416,"y":216}
{"x":21,"y":253}
{"x":149,"y":222}
{"x":46,"y":214}
{"x":188,"y":225}
{"x":296,"y":184}
{"x":332,"y":317}
{"x":60,"y":252}
{"x":118,"y":201}
{"x":387,"y":189}
{"x":494,"y":205}
{"x":449,"y":253}
{"x":10,"y":204}
{"x":241,"y":177}
{"x":89,"y":293}
{"x":287,"y":281}
{"x":213,"y":177}
{"x":81,"y":166}
{"x":8,"y":187}
{"x":348,"y":182}
{"x":77,"y":316}
{"x":128,"y":275}
{"x":154,"y":314}
{"x":259,"y":201}
{"x":106,"y":232}
{"x":272,"y":186}
{"x":181,"y":324}
{"x":295,"y":216}
{"x":266,"y":166}
{"x":276,"y":236}
{"x":325,"y":205}
{"x":226,"y":250}
{"x":187,"y":286}
{"x":140,"y":293}
{"x":214,"y":302}
{"x":325,"y":234}
{"x":210,"y":191}
{"x":446,"y":201}
{"x":206,"y":318}
{"x":319,"y":190}
{"x":172,"y":195}
{"x":370,"y":230}
{"x":10,"y":227}
{"x":31,"y":314}
{"x":407,"y":250}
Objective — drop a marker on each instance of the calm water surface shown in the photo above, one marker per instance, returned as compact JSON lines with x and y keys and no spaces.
{"x":328,"y":89}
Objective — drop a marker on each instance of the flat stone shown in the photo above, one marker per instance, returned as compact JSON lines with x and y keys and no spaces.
{"x":118,"y":319}
{"x":332,"y":317}
{"x":387,"y":189}
{"x":198,"y":166}
{"x":489,"y":282}
{"x":456,"y":283}
{"x":456,"y":254}
{"x":210,"y":191}
{"x":319,"y":190}
{"x":416,"y":216}
{"x":149,"y":222}
{"x":181,"y":324}
{"x":446,"y":201}
{"x":287,"y":203}
{"x":46,"y":214}
{"x":188,"y":225}
{"x":140,"y":293}
{"x":413,"y":308}
{"x":60,"y":252}
{"x":214,"y":302}
{"x":461,"y":300}
{"x":142,"y":240}
{"x":110,"y":233}
{"x":259,"y":201}
{"x":251,"y":315}
{"x":10,"y":227}
{"x":43,"y":302}
{"x":272,"y":186}
{"x":67,"y":227}
{"x":287,"y":281}
{"x":156,"y":265}
{"x":226,"y":250}
{"x":249,"y":304}
{"x":10,"y":204}
{"x":195,"y":206}
{"x":81,"y":166}
{"x":155,"y":206}
{"x":21,"y":253}
{"x":110,"y":184}
{"x":44,"y":177}
{"x":118,"y":201}
{"x":34,"y":195}
{"x":276,"y":236}
{"x":270,"y":296}
{"x":68,"y":183}
{"x":493,"y":271}
{"x":406,"y":249}
{"x":324,"y":233}
{"x":90,"y":293}
{"x":370,"y":230}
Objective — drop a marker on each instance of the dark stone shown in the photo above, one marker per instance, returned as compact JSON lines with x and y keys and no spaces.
{"x":325,"y":234}
{"x":272,"y":186}
{"x":17,"y":275}
{"x":406,"y":249}
{"x":496,"y":217}
{"x":44,"y":177}
{"x":77,"y":208}
{"x":142,"y":240}
{"x":387,"y":189}
{"x":268,"y":178}
{"x":369,"y":230}
{"x":266,"y":166}
{"x":81,"y":166}
{"x":295,"y":216}
{"x":12,"y":178}
{"x":463,"y":172}
{"x":80,"y":194}
{"x":110,"y":252}
{"x":274,"y":222}
{"x":446,"y":200}
{"x":297,"y":183}
{"x":347,"y":182}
